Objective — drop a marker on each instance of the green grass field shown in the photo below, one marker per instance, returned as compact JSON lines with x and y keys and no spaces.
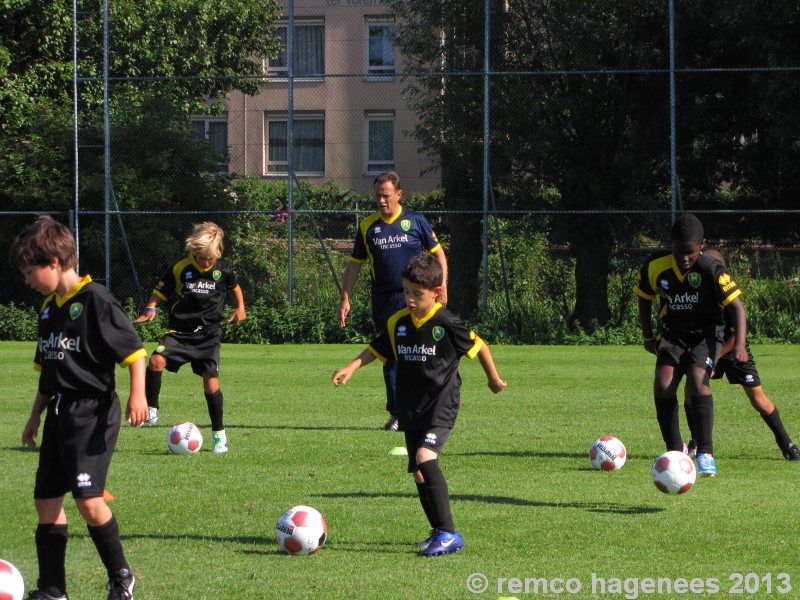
{"x":524,"y":496}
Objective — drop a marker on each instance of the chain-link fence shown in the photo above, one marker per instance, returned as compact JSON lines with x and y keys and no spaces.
{"x":575,"y":128}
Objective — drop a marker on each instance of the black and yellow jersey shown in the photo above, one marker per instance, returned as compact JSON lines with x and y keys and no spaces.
{"x":389,"y":245}
{"x":81,"y":336}
{"x":692,"y":302}
{"x":427,"y":352}
{"x":196,"y":296}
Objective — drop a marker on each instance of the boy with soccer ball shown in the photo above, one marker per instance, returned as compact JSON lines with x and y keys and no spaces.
{"x":83,"y":331}
{"x":427,"y":342}
{"x":696,"y":290}
{"x":195,"y":289}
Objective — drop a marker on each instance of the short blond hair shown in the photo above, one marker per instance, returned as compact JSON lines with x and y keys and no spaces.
{"x":206,"y":236}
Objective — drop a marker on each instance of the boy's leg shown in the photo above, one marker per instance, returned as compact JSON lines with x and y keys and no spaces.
{"x":51,"y":546}
{"x":436,"y":487}
{"x":769,"y":412}
{"x":152,"y":386}
{"x":214,"y":400}
{"x":104,"y":531}
{"x":665,"y":383}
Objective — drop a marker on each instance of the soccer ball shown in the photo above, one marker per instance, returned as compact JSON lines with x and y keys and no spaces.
{"x":607,"y":453}
{"x":11,"y":585}
{"x":674,"y":472}
{"x":185,"y":438}
{"x":301,"y":530}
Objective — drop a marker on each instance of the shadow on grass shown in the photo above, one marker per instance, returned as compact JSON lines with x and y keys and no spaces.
{"x":270,"y":547}
{"x":598,"y":507}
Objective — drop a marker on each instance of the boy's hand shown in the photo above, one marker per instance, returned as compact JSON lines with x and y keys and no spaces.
{"x":740,"y":353}
{"x":147,"y":316}
{"x":237,"y":316}
{"x":497,"y":385}
{"x":136,"y":412}
{"x":30,"y":432}
{"x":341,"y":376}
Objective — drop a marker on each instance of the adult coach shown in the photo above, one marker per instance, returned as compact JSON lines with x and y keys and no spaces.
{"x":388,"y":239}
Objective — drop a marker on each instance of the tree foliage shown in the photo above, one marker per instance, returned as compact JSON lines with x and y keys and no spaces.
{"x":580,"y":105}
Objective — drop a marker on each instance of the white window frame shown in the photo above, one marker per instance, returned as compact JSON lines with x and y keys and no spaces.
{"x":281,"y":73}
{"x":277,"y":117}
{"x":379,"y":71}
{"x":375,"y":167}
{"x":222,"y":167}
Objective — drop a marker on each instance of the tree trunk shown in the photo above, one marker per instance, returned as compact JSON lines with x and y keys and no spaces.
{"x":592,"y":266}
{"x":464,"y":262}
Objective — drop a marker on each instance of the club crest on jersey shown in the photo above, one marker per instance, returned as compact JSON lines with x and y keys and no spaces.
{"x":216,"y":274}
{"x":75,"y":310}
{"x":694,"y":279}
{"x":405,"y":224}
{"x":160,"y":348}
{"x":438,"y":332}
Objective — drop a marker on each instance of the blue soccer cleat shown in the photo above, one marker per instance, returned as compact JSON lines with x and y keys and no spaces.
{"x":706,"y":465}
{"x":423,"y":545}
{"x":443,"y":542}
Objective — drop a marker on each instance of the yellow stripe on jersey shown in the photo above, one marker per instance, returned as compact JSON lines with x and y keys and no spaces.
{"x":732,"y":297}
{"x":364,"y":226}
{"x":133,"y":357}
{"x":473,"y":352}
{"x":377,"y":354}
{"x":390,"y":325}
{"x":420,"y":322}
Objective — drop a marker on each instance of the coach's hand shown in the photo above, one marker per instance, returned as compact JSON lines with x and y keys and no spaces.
{"x":344,"y":309}
{"x":497,"y":385}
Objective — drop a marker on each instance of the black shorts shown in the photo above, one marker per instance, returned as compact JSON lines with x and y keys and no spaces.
{"x":433,"y":438}
{"x":701,"y":352}
{"x":78,"y":439}
{"x":738,"y":373}
{"x":201,"y":349}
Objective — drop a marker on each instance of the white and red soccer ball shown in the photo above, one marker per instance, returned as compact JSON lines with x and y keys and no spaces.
{"x":185,"y":438}
{"x":11,"y":585}
{"x":301,"y":530}
{"x":607,"y":453}
{"x":674,"y":473}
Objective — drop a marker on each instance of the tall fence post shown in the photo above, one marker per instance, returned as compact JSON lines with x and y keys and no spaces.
{"x":486,"y":183}
{"x":673,"y":160}
{"x":290,"y":156}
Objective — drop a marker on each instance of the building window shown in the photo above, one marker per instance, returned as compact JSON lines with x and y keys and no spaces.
{"x":379,"y":142}
{"x":380,"y":46}
{"x":309,"y":144}
{"x":309,"y":50}
{"x":214,"y":130}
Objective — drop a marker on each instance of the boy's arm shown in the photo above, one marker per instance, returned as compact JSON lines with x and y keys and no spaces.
{"x":485,"y":356}
{"x":136,"y":411}
{"x":239,"y":314}
{"x":646,"y":323}
{"x":150,"y":310}
{"x":736,"y":306}
{"x":32,"y":426}
{"x":440,"y":256}
{"x":348,"y":281}
{"x":341,"y":376}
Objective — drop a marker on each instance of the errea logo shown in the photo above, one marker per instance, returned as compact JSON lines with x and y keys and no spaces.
{"x":84,"y":480}
{"x":401,"y":330}
{"x":430,"y":438}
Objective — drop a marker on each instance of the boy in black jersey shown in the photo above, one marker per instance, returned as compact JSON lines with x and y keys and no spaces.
{"x":195,"y":288}
{"x":746,"y":375}
{"x":83,"y":331}
{"x":695,"y":289}
{"x":427,"y":342}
